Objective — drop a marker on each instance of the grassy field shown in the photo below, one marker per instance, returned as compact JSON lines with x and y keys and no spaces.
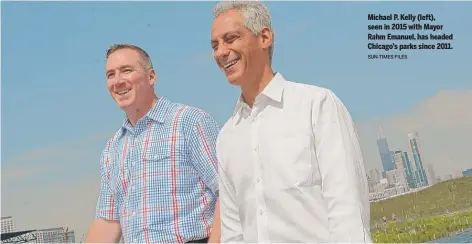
{"x":425,"y":215}
{"x":453,"y":195}
{"x":424,"y":229}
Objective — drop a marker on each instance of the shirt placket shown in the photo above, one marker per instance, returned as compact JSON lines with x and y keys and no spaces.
{"x":133,"y":181}
{"x":261,"y":218}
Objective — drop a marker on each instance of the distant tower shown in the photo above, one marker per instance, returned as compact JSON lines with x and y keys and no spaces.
{"x":431,"y":175}
{"x":409,"y":170}
{"x":375,"y":175}
{"x":402,"y":166}
{"x":385,"y":155}
{"x":8,"y":224}
{"x":420,"y":174}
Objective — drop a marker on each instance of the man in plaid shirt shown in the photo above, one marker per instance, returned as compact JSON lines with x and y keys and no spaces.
{"x":159,"y":171}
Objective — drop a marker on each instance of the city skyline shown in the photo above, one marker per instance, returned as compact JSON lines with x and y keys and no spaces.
{"x":401,"y":174}
{"x":445,"y":129}
{"x":50,"y":170}
{"x":399,"y":158}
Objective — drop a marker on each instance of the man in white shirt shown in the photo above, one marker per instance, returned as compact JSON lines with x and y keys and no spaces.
{"x":291,"y":169}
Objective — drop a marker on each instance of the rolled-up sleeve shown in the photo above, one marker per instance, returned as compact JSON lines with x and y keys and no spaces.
{"x":202,"y":141}
{"x":344,"y":182}
{"x":106,"y":207}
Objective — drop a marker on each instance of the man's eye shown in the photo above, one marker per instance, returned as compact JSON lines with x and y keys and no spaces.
{"x":109,"y":76}
{"x":127,"y":70}
{"x":231,"y":39}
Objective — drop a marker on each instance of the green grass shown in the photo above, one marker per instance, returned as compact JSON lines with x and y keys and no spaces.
{"x":452,"y":195}
{"x":424,"y":215}
{"x":422,"y":229}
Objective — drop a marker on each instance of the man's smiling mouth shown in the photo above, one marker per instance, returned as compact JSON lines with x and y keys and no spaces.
{"x":231,"y":63}
{"x":123,"y":92}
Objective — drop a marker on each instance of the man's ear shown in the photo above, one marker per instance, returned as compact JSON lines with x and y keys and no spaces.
{"x":266,"y":37}
{"x":152,"y":77}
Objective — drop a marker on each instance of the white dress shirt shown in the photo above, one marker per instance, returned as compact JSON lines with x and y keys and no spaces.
{"x":291,"y":169}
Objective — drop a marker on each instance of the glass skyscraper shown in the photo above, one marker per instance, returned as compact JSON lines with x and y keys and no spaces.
{"x":409,"y":170}
{"x":385,"y":155}
{"x":419,"y":173}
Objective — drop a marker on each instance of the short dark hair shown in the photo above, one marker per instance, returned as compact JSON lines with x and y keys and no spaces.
{"x":145,"y":56}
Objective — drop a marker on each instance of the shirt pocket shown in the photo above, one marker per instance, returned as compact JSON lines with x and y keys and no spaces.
{"x":290,"y":163}
{"x":158,"y":168}
{"x":158,"y":159}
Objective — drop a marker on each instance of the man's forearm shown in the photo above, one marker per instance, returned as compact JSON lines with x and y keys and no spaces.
{"x":104,"y":231}
{"x":216,"y":229}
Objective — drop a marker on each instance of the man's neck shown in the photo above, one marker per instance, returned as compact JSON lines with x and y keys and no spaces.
{"x":136,"y":114}
{"x":254,"y":87}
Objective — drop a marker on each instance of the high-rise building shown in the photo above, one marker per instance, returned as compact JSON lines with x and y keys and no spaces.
{"x":375,"y":175}
{"x":51,"y":235}
{"x":69,"y":237}
{"x":370,"y":183}
{"x":431,"y":176}
{"x":397,"y":177}
{"x":397,"y":159}
{"x":409,"y":170}
{"x":8,"y":225}
{"x":419,"y":172}
{"x":385,"y":155}
{"x":401,"y":161}
{"x":55,"y":235}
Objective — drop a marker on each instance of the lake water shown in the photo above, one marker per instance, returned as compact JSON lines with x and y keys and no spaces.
{"x":464,"y":237}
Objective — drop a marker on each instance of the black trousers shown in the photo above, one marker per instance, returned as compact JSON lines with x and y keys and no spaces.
{"x":199,"y":241}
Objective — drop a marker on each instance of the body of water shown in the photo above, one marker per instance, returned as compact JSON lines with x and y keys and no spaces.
{"x":464,"y":237}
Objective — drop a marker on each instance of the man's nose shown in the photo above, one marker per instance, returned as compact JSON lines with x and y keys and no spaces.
{"x":118,"y":81}
{"x":222,"y":52}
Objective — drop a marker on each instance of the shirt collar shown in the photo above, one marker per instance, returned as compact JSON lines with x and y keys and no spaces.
{"x":157,"y":113}
{"x":273,"y":90}
{"x":159,"y":110}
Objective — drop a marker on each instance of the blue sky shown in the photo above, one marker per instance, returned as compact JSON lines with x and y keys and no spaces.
{"x":55,"y":102}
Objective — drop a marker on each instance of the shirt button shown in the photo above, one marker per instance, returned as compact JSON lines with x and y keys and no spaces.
{"x":261,"y":212}
{"x":258,"y":179}
{"x":256,"y":148}
{"x":133,"y":213}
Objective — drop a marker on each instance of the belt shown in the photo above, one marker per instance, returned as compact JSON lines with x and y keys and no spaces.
{"x":199,"y":241}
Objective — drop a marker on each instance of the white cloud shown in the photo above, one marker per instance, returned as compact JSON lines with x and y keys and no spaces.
{"x":54,"y":187}
{"x":70,"y":203}
{"x":444,"y":124}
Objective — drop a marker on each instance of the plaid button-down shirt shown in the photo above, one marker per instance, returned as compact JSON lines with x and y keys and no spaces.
{"x":159,"y":178}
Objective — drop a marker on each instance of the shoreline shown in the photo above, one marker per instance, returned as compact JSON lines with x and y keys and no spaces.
{"x":424,"y":230}
{"x":452,"y":235}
